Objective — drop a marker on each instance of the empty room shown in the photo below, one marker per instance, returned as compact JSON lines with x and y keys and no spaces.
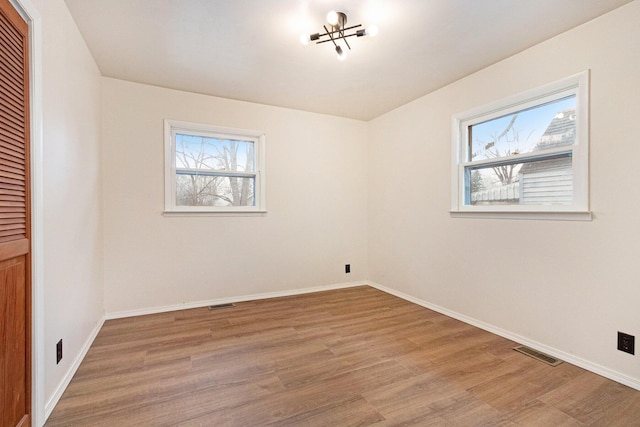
{"x":319,"y":212}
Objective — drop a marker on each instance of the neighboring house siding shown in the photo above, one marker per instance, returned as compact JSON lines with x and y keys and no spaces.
{"x":549,"y":184}
{"x":551,"y":181}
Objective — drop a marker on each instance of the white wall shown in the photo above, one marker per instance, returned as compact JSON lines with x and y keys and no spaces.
{"x":316,"y":201}
{"x":566,"y":285}
{"x":72,"y":220}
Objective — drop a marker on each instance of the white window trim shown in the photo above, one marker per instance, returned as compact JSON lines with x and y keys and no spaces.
{"x":577,"y":84}
{"x":170,"y":207}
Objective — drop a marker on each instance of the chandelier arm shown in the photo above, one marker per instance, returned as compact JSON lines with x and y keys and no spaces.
{"x":347,"y":28}
{"x":343,"y":37}
{"x":328,"y":40}
{"x":330,"y":34}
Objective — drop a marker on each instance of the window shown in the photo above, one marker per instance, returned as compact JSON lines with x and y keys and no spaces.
{"x":213,"y":169}
{"x":526,"y":156}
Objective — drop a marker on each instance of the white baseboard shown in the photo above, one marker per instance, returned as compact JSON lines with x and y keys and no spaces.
{"x":205,"y":303}
{"x":570,"y":358}
{"x":53,"y":401}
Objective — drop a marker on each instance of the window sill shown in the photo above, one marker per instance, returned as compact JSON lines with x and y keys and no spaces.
{"x":551,"y":216}
{"x":213,"y":213}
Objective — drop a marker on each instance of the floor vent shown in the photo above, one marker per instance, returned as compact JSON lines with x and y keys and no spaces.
{"x":539,"y":356}
{"x":221,"y":306}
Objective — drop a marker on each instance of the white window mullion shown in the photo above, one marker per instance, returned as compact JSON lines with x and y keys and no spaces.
{"x":521,"y":158}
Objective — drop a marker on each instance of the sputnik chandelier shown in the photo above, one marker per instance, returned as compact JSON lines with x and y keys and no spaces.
{"x":337,"y":31}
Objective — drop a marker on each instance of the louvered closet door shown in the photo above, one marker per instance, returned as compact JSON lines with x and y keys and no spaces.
{"x":15,"y":209}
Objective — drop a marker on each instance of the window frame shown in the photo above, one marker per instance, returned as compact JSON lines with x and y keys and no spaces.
{"x":172,"y":127}
{"x":577,"y":85}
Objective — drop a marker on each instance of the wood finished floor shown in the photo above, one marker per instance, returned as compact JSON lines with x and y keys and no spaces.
{"x":352,"y":357}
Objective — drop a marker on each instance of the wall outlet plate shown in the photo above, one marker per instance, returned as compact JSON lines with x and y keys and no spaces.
{"x":626,"y":343}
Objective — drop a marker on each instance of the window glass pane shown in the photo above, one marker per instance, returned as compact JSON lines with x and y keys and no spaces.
{"x":543,"y":182}
{"x":542,"y":127}
{"x":207,"y":190}
{"x":208,"y":153}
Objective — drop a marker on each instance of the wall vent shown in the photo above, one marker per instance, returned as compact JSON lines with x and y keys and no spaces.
{"x":549,"y":360}
{"x":221,"y":306}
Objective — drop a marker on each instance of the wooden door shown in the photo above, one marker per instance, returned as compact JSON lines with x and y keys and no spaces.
{"x":15,"y":220}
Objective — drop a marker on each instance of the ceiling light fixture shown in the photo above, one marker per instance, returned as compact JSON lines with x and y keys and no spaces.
{"x":337,"y":31}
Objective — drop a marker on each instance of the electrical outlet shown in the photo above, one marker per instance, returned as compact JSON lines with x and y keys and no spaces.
{"x":347,"y":268}
{"x":59,"y":351}
{"x":626,"y":343}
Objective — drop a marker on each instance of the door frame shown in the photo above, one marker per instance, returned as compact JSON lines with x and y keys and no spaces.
{"x":30,"y":14}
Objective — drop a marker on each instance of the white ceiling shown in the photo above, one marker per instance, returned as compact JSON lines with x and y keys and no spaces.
{"x":250,"y":50}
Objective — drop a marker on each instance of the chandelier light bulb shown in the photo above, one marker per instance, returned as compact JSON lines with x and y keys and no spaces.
{"x":332,"y":18}
{"x":304,"y":39}
{"x":372,"y":31}
{"x":342,"y":55}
